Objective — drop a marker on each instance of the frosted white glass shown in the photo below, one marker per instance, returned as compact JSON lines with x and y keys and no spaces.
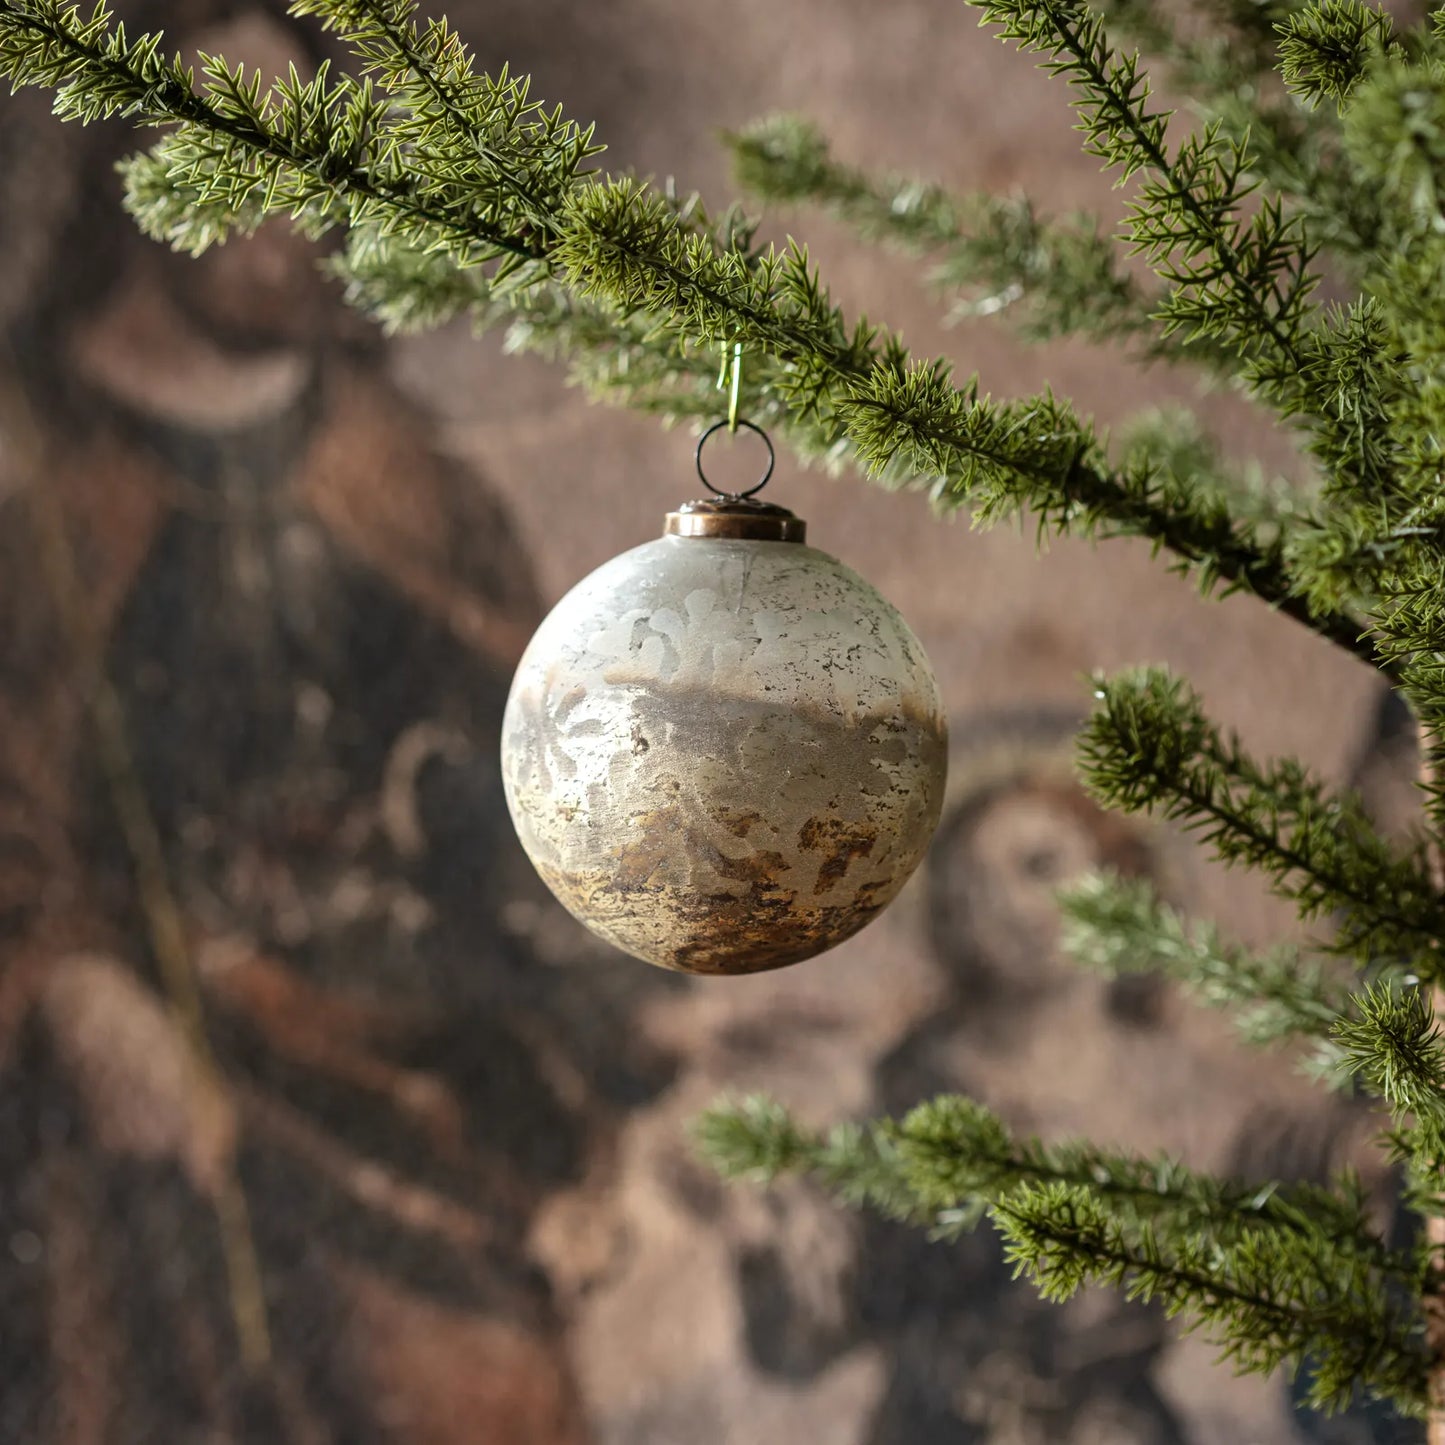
{"x":724,"y":756}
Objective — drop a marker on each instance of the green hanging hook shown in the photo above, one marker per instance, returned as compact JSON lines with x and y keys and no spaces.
{"x":736,"y":369}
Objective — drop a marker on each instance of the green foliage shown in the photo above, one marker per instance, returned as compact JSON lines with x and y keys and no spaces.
{"x":1325,"y":49}
{"x":948,"y":1160}
{"x":1265,"y":1302}
{"x":386,"y":165}
{"x":1274,"y":1274}
{"x":1120,"y":925}
{"x":1150,"y":748}
{"x":1316,"y":152}
{"x":1171,"y":443}
{"x":1229,"y":75}
{"x":1395,"y":132}
{"x":1394,"y":1046}
{"x":1240,"y":277}
{"x":993,"y":253}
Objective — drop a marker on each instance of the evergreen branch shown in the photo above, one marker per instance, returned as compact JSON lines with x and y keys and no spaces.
{"x":1240,"y":52}
{"x":1275,"y":1273}
{"x":1353,"y":371}
{"x":1385,"y":547}
{"x":906,"y":417}
{"x":1393,"y":1044}
{"x":951,"y":1159}
{"x":1245,"y":282}
{"x":755,"y":1138}
{"x":621,"y":358}
{"x":1266,"y":1302}
{"x":449,"y":118}
{"x":1395,"y":133}
{"x":1150,"y":748}
{"x":1299,"y":156}
{"x":1411,"y":632}
{"x":235,"y":154}
{"x":995,"y":254}
{"x":1171,"y":442}
{"x":1118,"y":925}
{"x":333,"y":154}
{"x":1240,"y":277}
{"x":832,"y":391}
{"x":1229,"y":77}
{"x":1326,"y":47}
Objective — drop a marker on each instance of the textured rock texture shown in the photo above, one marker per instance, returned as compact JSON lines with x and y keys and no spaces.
{"x":724,"y":756}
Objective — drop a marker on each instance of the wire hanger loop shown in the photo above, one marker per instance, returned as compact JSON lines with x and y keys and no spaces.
{"x":732,"y":425}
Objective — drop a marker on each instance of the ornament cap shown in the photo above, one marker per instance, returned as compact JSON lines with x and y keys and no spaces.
{"x":737,"y":517}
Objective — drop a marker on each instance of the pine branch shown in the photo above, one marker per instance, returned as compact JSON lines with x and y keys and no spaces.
{"x":332,"y":154}
{"x":1171,"y":442}
{"x":1275,"y":1273}
{"x":948,"y":1160}
{"x":1117,"y":926}
{"x":994,"y":254}
{"x":1230,"y":77}
{"x":1393,"y":1044}
{"x":1239,"y":266}
{"x":1325,"y":48}
{"x":1395,"y":133}
{"x":833,"y":391}
{"x":1266,"y":1302}
{"x":625,"y":248}
{"x":1150,"y":748}
{"x":1387,"y":547}
{"x":461,"y":130}
{"x":1244,"y":282}
{"x":1411,"y":628}
{"x":313,"y":151}
{"x":1237,"y":49}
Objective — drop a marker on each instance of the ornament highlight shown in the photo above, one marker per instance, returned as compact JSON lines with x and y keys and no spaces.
{"x":724,"y":751}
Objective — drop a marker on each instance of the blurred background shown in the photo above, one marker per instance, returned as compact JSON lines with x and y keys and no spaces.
{"x":319,"y":1121}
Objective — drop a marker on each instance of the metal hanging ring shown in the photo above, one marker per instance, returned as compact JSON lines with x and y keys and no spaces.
{"x":757,"y":431}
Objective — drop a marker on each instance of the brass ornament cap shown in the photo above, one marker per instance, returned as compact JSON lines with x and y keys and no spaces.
{"x":739,"y":517}
{"x":724,"y":754}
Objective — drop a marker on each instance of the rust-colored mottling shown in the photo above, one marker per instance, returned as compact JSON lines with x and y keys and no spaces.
{"x":738,"y":821}
{"x":661,"y":834}
{"x":711,"y":933}
{"x":842,"y":841}
{"x":655,"y":836}
{"x":758,"y":868}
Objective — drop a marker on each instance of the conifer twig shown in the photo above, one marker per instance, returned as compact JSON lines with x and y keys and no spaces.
{"x":1120,"y":926}
{"x":1433,"y":1303}
{"x":948,"y":1159}
{"x":1149,"y":747}
{"x":1265,"y":1305}
{"x":991,"y":254}
{"x":1276,"y":1274}
{"x":330,"y":153}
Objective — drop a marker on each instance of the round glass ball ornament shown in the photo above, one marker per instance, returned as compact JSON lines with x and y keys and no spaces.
{"x":723,"y":751}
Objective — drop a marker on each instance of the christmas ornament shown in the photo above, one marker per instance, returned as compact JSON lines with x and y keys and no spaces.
{"x":724,"y":751}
